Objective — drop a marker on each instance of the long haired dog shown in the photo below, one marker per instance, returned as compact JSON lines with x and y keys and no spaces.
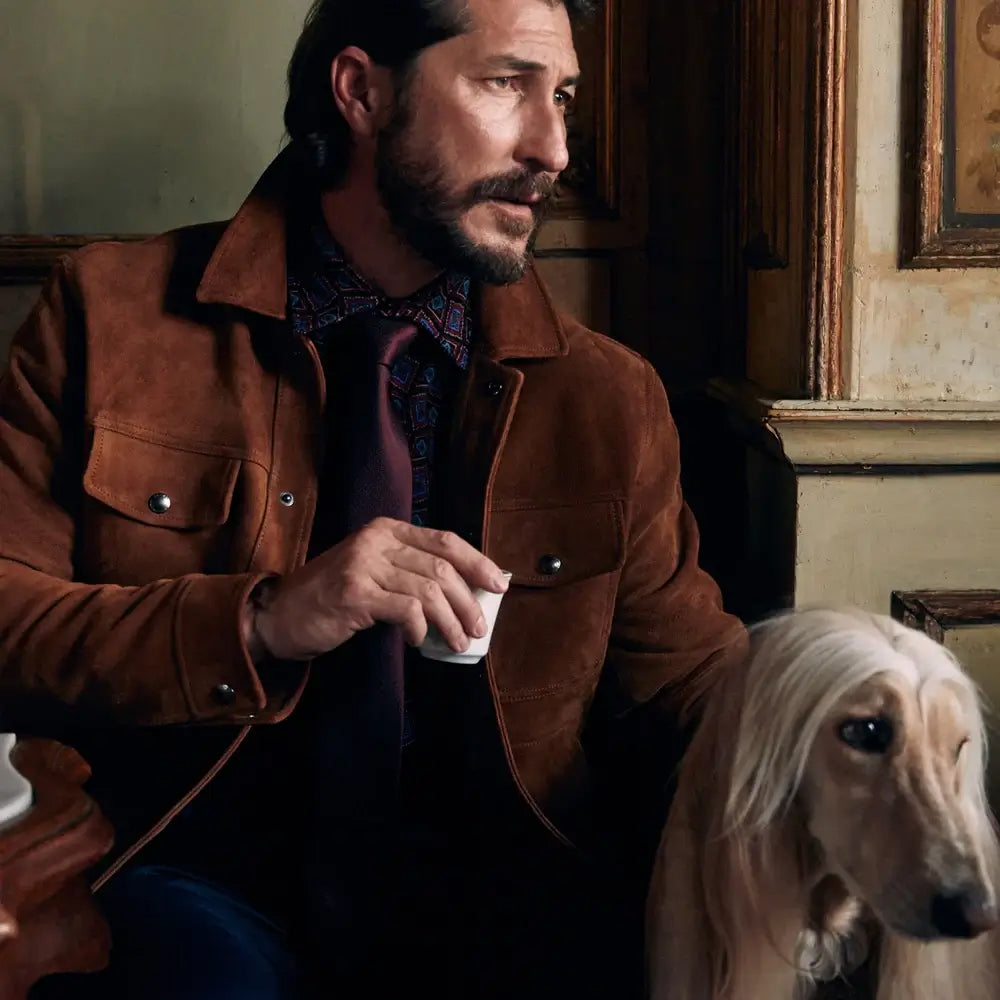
{"x":832,"y":799}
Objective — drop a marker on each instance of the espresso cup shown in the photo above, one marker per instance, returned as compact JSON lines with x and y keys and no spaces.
{"x":434,"y":647}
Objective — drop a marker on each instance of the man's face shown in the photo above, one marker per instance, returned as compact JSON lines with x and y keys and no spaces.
{"x":469,"y":161}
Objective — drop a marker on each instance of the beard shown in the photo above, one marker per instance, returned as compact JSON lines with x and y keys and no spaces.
{"x":427,"y":212}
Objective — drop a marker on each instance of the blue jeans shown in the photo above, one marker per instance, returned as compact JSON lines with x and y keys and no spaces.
{"x":177,"y":937}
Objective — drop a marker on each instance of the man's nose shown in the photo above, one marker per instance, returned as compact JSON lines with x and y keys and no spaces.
{"x":543,"y":139}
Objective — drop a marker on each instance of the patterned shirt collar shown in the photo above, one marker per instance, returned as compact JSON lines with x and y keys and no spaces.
{"x":323,"y":289}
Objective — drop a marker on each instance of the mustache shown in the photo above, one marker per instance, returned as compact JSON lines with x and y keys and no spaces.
{"x":513,"y":187}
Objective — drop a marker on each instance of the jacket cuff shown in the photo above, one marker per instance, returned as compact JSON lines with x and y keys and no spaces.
{"x":216,"y":672}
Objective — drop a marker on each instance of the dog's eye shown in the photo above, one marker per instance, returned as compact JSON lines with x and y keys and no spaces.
{"x":867,"y":735}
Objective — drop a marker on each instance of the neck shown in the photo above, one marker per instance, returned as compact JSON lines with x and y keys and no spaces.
{"x":359,"y":222}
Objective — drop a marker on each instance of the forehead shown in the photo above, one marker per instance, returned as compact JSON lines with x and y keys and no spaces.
{"x":535,"y":30}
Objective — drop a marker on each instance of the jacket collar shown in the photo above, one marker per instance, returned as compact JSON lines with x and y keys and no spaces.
{"x":248,"y":269}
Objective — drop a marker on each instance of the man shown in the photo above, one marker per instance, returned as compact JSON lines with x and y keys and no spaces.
{"x":194,"y":571}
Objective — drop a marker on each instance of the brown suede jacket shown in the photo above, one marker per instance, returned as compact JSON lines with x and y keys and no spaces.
{"x":167,"y":367}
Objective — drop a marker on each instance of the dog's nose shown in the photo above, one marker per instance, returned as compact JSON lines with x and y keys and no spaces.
{"x":963,"y":914}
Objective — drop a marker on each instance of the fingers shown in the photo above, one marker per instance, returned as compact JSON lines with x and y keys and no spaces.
{"x":403,"y":610}
{"x":446,"y":598}
{"x":475,"y":568}
{"x":440,"y":570}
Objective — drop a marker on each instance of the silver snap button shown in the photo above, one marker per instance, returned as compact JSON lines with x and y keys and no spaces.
{"x":224,"y":694}
{"x":550,"y":565}
{"x":287,"y":499}
{"x":159,"y":503}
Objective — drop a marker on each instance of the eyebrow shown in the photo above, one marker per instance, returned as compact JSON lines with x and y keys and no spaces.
{"x":528,"y":66}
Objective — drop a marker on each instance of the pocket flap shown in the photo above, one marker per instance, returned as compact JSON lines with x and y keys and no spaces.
{"x":553,"y":546}
{"x":159,"y":484}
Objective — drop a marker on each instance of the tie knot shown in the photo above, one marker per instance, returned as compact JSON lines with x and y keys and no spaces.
{"x":382,"y":340}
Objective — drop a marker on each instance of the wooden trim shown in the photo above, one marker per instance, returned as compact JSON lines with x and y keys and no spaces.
{"x":937,"y":611}
{"x":28,"y":259}
{"x":826,"y":200}
{"x":926,"y":241}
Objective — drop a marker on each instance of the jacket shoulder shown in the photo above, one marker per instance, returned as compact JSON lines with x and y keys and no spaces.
{"x":591,"y":348}
{"x":174,"y":259}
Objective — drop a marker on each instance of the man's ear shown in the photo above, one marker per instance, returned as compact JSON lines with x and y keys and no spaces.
{"x":363,"y":91}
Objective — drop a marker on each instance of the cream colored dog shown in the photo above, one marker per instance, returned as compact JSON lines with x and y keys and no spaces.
{"x":832,"y":795}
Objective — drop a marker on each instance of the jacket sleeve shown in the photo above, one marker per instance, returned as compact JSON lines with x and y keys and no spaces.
{"x":671,"y":640}
{"x":168,"y":652}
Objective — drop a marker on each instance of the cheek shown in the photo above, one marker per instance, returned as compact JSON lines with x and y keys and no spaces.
{"x":476,"y":140}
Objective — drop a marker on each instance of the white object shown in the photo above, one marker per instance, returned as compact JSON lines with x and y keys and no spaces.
{"x":15,"y":790}
{"x":434,"y":646}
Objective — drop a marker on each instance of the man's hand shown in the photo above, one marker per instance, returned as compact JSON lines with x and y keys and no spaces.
{"x":389,"y":571}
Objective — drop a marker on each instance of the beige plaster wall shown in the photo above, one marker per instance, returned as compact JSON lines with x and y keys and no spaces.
{"x":916,"y":335}
{"x":125,"y":116}
{"x":861,"y":537}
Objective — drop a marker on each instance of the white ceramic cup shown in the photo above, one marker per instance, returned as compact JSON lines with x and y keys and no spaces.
{"x":434,"y":646}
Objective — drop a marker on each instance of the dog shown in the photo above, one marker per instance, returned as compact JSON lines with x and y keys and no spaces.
{"x":831,"y":802}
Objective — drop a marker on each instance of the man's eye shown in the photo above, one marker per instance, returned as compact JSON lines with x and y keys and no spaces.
{"x":564,"y":99}
{"x":502,"y":82}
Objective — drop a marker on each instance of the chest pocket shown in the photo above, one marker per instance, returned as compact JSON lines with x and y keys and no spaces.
{"x":139,"y":487}
{"x":551,"y":633}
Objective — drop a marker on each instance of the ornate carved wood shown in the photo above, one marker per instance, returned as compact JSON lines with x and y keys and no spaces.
{"x":826,"y":200}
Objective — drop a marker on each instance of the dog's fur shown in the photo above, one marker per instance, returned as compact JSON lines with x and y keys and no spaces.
{"x":787,"y":850}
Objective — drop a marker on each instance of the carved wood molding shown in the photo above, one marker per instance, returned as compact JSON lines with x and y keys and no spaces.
{"x":930,"y":239}
{"x":826,"y":194}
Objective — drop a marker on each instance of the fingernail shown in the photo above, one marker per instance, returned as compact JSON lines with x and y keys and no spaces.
{"x":502,"y":581}
{"x":480,"y":628}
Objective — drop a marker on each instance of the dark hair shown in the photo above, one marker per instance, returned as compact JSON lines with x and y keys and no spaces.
{"x":393,"y":33}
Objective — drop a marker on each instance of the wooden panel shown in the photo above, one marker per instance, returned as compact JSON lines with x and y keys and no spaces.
{"x":581,"y":286}
{"x":767,"y":49}
{"x":795,"y":318}
{"x":602,"y":199}
{"x":693,"y":192}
